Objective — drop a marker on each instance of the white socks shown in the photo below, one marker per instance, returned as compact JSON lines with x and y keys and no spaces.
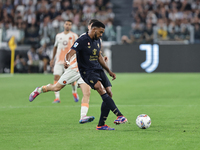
{"x":74,"y":88}
{"x":84,"y":110}
{"x":57,"y":94}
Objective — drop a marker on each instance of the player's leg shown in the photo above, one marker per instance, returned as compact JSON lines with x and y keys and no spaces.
{"x":105,"y":109}
{"x":44,"y":89}
{"x":107,"y":104}
{"x":85,"y":100}
{"x":93,"y":80}
{"x":104,"y":114}
{"x":120,"y":119}
{"x":74,"y":92}
{"x":106,"y":98}
{"x":67,"y":78}
{"x":108,"y":91}
{"x":85,"y":103}
{"x":57,"y":93}
{"x":52,"y":87}
{"x":103,"y":117}
{"x":57,"y":72}
{"x":106,"y":83}
{"x":70,"y":77}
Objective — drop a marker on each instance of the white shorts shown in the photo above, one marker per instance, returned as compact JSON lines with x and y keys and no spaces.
{"x":58,"y":69}
{"x":70,"y":76}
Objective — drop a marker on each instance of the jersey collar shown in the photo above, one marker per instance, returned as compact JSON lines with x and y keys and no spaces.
{"x":89,"y":37}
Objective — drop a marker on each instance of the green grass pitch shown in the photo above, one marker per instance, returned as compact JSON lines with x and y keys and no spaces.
{"x":171,"y":100}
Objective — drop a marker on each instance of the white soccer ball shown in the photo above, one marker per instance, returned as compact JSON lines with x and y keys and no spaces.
{"x":143,"y":121}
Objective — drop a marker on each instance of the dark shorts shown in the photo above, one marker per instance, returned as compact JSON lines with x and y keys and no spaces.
{"x":91,"y":78}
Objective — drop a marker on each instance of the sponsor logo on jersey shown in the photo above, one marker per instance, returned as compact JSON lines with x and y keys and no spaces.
{"x":94,"y":51}
{"x":89,"y":45}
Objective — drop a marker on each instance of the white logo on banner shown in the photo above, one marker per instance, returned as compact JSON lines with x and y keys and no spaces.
{"x":152,"y":57}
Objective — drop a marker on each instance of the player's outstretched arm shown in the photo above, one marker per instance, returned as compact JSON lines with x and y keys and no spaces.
{"x":68,"y":57}
{"x":103,"y":64}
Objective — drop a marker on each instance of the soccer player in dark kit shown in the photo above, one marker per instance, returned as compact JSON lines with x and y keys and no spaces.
{"x":91,"y":64}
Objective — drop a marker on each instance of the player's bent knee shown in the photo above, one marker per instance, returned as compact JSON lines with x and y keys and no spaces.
{"x":86,"y":94}
{"x":100,"y":90}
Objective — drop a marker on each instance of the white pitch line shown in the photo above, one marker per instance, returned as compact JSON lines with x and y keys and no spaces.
{"x":16,"y":107}
{"x":6,"y":75}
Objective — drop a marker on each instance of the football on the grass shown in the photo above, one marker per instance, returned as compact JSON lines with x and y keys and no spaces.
{"x":143,"y":121}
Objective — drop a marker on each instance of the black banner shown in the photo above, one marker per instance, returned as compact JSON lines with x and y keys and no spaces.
{"x":156,"y":58}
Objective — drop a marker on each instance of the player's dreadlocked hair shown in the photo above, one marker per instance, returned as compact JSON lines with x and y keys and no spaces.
{"x":98,"y":24}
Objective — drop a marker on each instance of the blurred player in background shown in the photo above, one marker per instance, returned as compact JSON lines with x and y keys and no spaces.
{"x":63,"y":43}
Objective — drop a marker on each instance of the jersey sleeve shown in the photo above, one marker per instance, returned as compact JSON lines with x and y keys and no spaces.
{"x":56,"y":41}
{"x":77,"y":45}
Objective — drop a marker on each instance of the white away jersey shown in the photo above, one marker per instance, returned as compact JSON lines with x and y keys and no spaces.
{"x":64,"y":42}
{"x":73,"y":63}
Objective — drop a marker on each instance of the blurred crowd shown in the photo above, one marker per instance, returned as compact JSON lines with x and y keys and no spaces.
{"x":38,"y":21}
{"x":172,"y":20}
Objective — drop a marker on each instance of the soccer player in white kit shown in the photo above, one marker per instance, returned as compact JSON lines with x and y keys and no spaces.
{"x":71,"y":75}
{"x":63,"y":43}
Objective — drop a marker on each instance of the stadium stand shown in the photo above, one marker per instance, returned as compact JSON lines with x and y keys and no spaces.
{"x":169,"y":20}
{"x":38,"y":21}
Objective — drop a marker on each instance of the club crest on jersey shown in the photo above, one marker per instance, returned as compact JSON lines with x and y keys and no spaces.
{"x":70,"y":38}
{"x":94,"y":51}
{"x":89,"y":45}
{"x":64,"y":42}
{"x":75,"y":45}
